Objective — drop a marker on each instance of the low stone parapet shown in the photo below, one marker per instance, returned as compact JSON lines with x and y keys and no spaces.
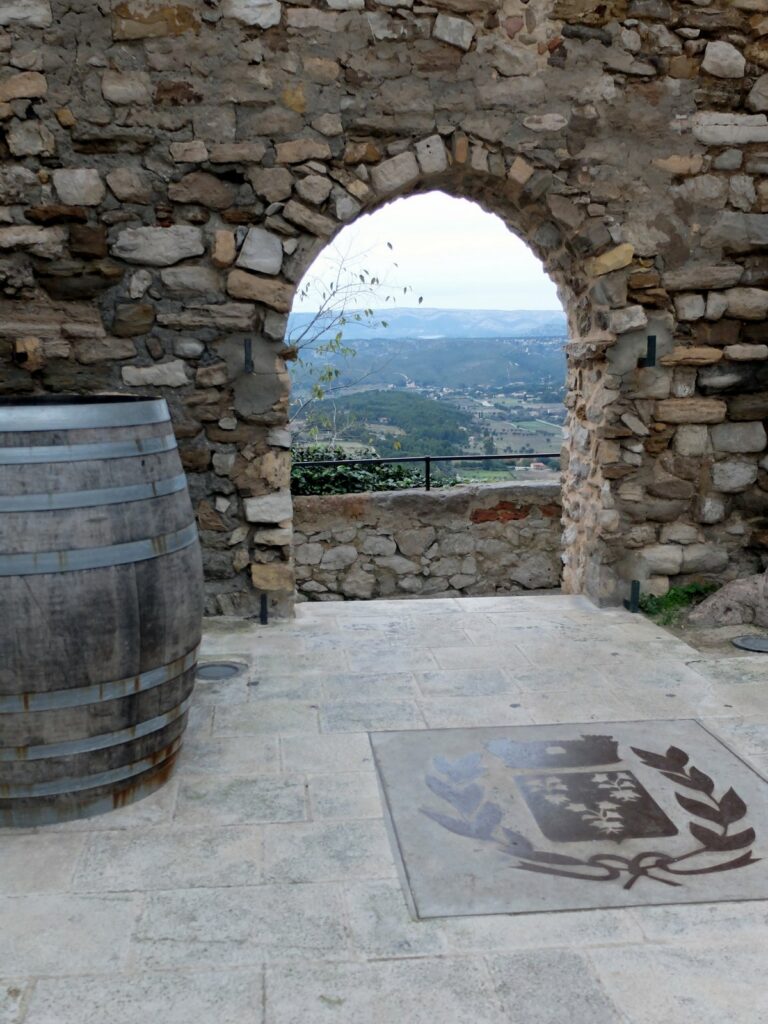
{"x":490,"y":539}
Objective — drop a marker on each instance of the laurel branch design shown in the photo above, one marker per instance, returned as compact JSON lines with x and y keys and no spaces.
{"x":456,"y":783}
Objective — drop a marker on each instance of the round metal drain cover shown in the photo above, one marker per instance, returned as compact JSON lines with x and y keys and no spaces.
{"x":216,"y":670}
{"x":751,"y":643}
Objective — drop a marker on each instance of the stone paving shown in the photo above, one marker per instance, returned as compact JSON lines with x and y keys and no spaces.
{"x":259,"y":886}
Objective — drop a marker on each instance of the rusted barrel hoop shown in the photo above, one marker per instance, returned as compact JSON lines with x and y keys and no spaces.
{"x":79,"y":417}
{"x":107,"y":739}
{"x":42,"y":562}
{"x":77,"y":785}
{"x":55,"y":700}
{"x":52,"y":502}
{"x":87,"y":452}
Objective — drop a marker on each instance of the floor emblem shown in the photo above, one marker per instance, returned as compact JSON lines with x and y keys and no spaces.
{"x":531,"y":818}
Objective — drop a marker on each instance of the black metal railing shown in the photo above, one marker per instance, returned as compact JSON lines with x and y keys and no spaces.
{"x":429,"y":459}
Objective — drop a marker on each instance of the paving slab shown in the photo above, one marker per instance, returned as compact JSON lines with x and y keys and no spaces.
{"x":170,"y":859}
{"x":13,"y":995}
{"x":548,"y":986}
{"x":240,"y":799}
{"x":512,"y":820}
{"x":226,"y":997}
{"x":416,"y":991}
{"x":344,"y":796}
{"x":240,"y":926}
{"x":706,"y":985}
{"x":327,"y":852}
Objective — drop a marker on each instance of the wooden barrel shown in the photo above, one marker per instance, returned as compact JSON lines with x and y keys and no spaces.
{"x":101,"y":603}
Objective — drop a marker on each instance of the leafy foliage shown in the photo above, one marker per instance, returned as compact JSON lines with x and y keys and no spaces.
{"x":667,"y":610}
{"x":347,"y":479}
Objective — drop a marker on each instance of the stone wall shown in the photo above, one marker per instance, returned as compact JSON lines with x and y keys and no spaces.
{"x":456,"y":542}
{"x":171,"y":167}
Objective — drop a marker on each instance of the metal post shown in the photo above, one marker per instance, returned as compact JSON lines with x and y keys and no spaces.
{"x":428,"y":472}
{"x":264,"y":610}
{"x":633,"y":604}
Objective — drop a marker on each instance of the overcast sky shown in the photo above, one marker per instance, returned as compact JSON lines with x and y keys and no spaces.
{"x":447,"y":250}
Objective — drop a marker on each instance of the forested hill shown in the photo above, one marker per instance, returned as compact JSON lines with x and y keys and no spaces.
{"x":416,"y":324}
{"x":448,"y":363}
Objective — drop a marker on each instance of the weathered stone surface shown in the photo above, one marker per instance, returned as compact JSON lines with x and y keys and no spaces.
{"x":455,"y":31}
{"x":689,"y":306}
{"x":614,"y":259}
{"x":269,"y":508}
{"x":204,"y":189}
{"x":190,"y":280}
{"x":732,"y":475}
{"x":131,"y":320}
{"x":691,"y":410}
{"x":135,"y":19}
{"x":79,"y":187}
{"x":716,"y":129}
{"x":395,"y":174}
{"x":723,"y":60}
{"x":172,"y":374}
{"x":315,"y":188}
{"x":27,"y":85}
{"x":130,"y":185}
{"x":747,"y":303}
{"x":299,"y":150}
{"x":748,"y":407}
{"x":666,"y":559}
{"x":313,"y":221}
{"x":432,"y":155}
{"x":35,"y":13}
{"x":274,"y":576}
{"x":125,"y":88}
{"x":741,"y":601}
{"x":621,"y":321}
{"x":703,"y":276}
{"x":262,"y":13}
{"x":159,"y":247}
{"x":692,"y":355}
{"x":738,"y":437}
{"x":746,"y":353}
{"x":262,"y":251}
{"x":757,"y":99}
{"x":277,"y":294}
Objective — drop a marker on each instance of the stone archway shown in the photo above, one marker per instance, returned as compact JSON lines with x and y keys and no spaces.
{"x":171,"y":167}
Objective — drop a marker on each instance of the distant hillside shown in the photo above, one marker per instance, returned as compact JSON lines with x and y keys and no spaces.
{"x":422,"y":324}
{"x":449,"y":363}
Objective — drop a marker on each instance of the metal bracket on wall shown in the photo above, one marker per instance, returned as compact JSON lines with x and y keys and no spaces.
{"x":248,"y":355}
{"x":649,"y":359}
{"x":633,"y":604}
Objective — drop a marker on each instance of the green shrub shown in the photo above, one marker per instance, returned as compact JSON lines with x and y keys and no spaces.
{"x":668,"y":610}
{"x":347,"y":479}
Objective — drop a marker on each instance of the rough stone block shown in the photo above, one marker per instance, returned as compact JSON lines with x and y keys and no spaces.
{"x":395,"y":174}
{"x":262,"y":251}
{"x":723,"y":60}
{"x":125,"y":88}
{"x":262,"y":13}
{"x":732,"y":475}
{"x":738,"y":437}
{"x":269,"y":508}
{"x":277,"y":294}
{"x":172,"y":374}
{"x":35,"y":13}
{"x":80,"y":186}
{"x":747,"y":303}
{"x":159,"y":247}
{"x":432,"y":155}
{"x":691,"y":410}
{"x":454,"y":31}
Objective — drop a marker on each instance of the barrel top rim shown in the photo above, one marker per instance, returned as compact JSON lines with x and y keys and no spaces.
{"x":49,"y":401}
